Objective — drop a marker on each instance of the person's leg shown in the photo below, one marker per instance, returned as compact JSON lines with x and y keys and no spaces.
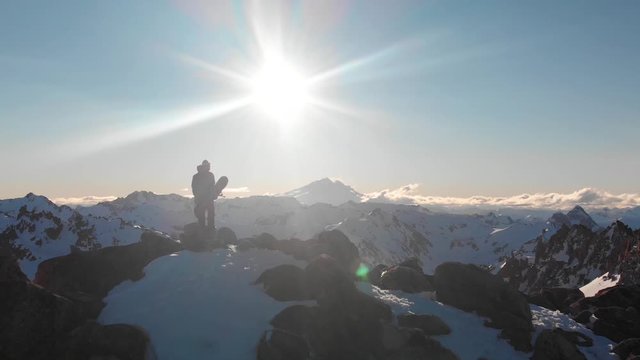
{"x":200,"y":215}
{"x":210,"y":215}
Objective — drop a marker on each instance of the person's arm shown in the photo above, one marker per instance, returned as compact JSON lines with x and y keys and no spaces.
{"x":193,"y":186}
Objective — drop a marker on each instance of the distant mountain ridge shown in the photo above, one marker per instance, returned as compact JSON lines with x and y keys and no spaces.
{"x":383,"y":232}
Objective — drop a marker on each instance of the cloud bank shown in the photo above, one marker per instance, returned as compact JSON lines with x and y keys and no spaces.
{"x":587,"y":197}
{"x":83,"y":200}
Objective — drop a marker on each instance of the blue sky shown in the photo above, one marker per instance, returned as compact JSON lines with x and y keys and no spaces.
{"x":462,"y":97}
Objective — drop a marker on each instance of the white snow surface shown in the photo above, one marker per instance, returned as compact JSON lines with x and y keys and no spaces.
{"x":471,"y":340}
{"x":204,"y":306}
{"x":599,"y":283}
{"x":200,"y":305}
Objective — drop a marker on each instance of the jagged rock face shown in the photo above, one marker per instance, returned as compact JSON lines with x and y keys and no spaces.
{"x":574,"y":256}
{"x":470,"y":288}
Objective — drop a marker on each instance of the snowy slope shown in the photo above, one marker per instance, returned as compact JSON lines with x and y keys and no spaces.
{"x":200,"y":305}
{"x":471,"y":340}
{"x":326,"y":191}
{"x":203,"y":305}
{"x":34,"y":229}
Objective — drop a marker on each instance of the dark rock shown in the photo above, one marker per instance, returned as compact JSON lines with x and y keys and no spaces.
{"x":337,"y":245}
{"x":422,"y":347}
{"x":374,"y":274}
{"x":298,"y":319}
{"x":413,"y":263}
{"x":627,"y":348}
{"x":553,"y":345}
{"x":265,"y":241}
{"x":327,"y":281}
{"x":406,"y":279}
{"x":284,"y":283}
{"x":617,"y":323}
{"x":346,"y":324}
{"x":33,"y":321}
{"x":556,"y":298}
{"x":282,"y":345}
{"x":470,"y":288}
{"x":198,"y":238}
{"x":429,"y":324}
{"x":226,"y":236}
{"x":118,"y":341}
{"x":10,"y":270}
{"x":95,"y":273}
{"x":575,"y":337}
{"x":583,"y":317}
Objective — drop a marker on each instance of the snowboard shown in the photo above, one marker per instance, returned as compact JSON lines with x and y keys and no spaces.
{"x":220,"y":185}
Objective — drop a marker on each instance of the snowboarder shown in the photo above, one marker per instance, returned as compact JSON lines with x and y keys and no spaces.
{"x":203,"y":186}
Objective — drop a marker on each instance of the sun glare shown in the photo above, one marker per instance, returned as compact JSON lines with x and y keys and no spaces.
{"x":280,"y":90}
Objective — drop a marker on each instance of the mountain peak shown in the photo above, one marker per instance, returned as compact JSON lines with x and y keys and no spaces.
{"x":325,"y":190}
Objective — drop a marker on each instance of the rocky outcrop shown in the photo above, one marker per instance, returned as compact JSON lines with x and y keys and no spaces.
{"x":33,"y":320}
{"x":10,"y":270}
{"x":406,"y":276}
{"x":470,"y":288}
{"x":333,"y":243}
{"x":284,"y":283}
{"x":88,"y":276}
{"x":556,"y":345}
{"x":345,"y":323}
{"x":36,"y":323}
{"x":117,"y":341}
{"x":574,"y":256}
{"x":628,"y":349}
{"x":556,"y":298}
{"x":615,"y":312}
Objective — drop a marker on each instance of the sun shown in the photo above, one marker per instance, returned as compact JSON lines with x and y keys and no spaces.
{"x":280,"y":90}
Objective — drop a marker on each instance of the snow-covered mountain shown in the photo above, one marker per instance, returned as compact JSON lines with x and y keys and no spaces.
{"x":34,"y":229}
{"x":574,"y":256}
{"x":326,"y":191}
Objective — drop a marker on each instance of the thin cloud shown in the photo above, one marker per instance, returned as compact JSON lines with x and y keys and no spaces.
{"x":82,"y":201}
{"x":587,"y":197}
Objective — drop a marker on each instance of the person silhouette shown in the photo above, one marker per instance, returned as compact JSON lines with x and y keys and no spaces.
{"x":203,"y":185}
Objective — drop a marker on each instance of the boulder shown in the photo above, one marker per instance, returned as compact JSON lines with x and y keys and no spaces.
{"x":429,"y":324}
{"x":198,"y":238}
{"x":226,"y":236}
{"x":627,"y":348}
{"x":327,"y":281}
{"x":619,"y":295}
{"x":284,"y":283}
{"x":404,"y":278}
{"x":556,"y":298}
{"x":117,"y":341}
{"x":470,"y":288}
{"x":554,"y":345}
{"x":374,"y":274}
{"x":337,"y":245}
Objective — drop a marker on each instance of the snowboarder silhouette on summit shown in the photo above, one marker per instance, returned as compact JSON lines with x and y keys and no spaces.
{"x":203,"y":186}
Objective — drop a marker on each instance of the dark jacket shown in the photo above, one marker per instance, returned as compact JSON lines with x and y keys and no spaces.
{"x":203,"y":186}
